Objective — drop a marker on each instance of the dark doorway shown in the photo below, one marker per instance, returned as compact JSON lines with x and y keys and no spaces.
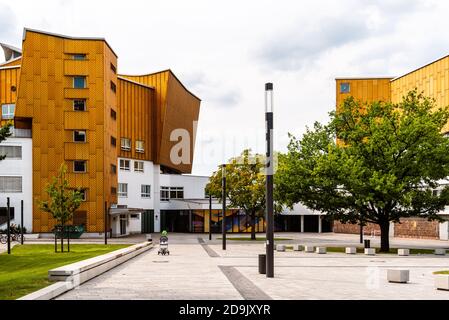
{"x":4,"y":214}
{"x":175,"y":221}
{"x":148,"y":221}
{"x":310,"y":223}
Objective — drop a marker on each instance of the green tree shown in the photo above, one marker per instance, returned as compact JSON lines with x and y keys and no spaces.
{"x":373,"y":163}
{"x":5,"y":132}
{"x":63,"y":200}
{"x":245,"y":185}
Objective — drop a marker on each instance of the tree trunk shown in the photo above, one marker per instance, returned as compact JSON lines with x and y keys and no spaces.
{"x":62,"y":237}
{"x":253,"y":225}
{"x":384,"y":236}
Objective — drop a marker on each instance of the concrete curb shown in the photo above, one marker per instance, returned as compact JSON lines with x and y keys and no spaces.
{"x":72,"y":275}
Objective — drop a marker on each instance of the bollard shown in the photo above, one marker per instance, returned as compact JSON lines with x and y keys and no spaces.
{"x":262,"y":263}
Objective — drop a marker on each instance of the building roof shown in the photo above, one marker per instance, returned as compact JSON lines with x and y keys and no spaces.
{"x":25,"y":30}
{"x":364,"y":78}
{"x":10,"y":52}
{"x":410,"y":72}
{"x":135,"y":82}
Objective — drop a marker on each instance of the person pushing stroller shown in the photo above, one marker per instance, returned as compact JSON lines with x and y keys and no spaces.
{"x":163,"y":244}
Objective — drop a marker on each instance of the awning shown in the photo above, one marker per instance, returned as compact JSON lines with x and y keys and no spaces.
{"x":116,"y":211}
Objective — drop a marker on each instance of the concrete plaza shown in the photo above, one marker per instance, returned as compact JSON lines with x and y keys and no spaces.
{"x":199,"y":269}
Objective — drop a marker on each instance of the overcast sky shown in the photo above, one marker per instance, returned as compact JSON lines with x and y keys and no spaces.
{"x":224,"y":52}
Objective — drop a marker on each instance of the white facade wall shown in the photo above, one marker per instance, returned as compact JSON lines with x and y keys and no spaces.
{"x":23,"y":168}
{"x":194,"y":188}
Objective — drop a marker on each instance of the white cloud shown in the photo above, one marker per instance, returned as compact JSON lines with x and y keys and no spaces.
{"x":225,"y":51}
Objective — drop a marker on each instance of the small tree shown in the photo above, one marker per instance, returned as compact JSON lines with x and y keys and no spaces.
{"x":245,"y":185}
{"x":63,"y":200}
{"x":375,"y":163}
{"x":5,"y":132}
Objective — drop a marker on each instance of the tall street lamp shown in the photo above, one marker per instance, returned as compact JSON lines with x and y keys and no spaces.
{"x":269,"y":171}
{"x":223,"y":195}
{"x":210,"y":217}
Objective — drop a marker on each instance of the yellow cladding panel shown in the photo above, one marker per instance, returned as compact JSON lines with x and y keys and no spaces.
{"x":76,"y":151}
{"x":76,"y":67}
{"x":71,"y":93}
{"x":364,"y":90}
{"x":76,"y":120}
{"x":9,"y":79}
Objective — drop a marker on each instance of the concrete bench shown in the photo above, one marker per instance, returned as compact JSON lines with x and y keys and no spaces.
{"x":398,"y":276}
{"x":297,"y":247}
{"x":309,"y":249}
{"x":280,"y":248}
{"x":370,"y":251}
{"x":440,"y":252}
{"x":442,"y":282}
{"x":403,"y":252}
{"x":351,"y":250}
{"x":321,"y":250}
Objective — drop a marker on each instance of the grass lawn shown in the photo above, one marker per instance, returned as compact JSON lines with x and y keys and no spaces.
{"x":249,"y":239}
{"x":441,"y":272}
{"x":26,"y":269}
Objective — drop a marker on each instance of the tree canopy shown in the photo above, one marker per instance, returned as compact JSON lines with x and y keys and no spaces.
{"x":376,"y":162}
{"x":5,"y":132}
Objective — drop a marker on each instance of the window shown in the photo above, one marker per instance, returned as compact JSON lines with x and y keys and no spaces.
{"x":79,"y":105}
{"x":11,"y":152}
{"x":123,"y":190}
{"x":113,"y":87}
{"x":8,"y":111}
{"x":79,"y":166}
{"x":113,"y":68}
{"x":4,"y":214}
{"x":168,"y":193}
{"x":113,"y":169}
{"x":176,"y":193}
{"x":138,"y":166}
{"x":80,"y":218}
{"x":165,"y":193}
{"x":145,"y":191}
{"x":79,"y":82}
{"x":79,"y":136}
{"x":113,"y":191}
{"x":83,"y":194}
{"x":113,"y":141}
{"x":79,"y":56}
{"x":11,"y":184}
{"x":125,"y":144}
{"x":134,"y":216}
{"x":113,"y":114}
{"x":345,"y":87}
{"x":139,"y":146}
{"x":125,"y":165}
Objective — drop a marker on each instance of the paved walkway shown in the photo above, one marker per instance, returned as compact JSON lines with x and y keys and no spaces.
{"x":201,"y":270}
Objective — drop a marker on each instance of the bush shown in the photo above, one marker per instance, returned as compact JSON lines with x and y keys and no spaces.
{"x":13,"y":228}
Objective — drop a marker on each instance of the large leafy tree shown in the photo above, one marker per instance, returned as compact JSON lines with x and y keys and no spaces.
{"x":375,"y":163}
{"x":245,"y":185}
{"x":63,"y":200}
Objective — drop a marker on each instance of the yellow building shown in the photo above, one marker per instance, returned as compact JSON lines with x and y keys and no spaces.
{"x":66,"y":92}
{"x":431,"y":79}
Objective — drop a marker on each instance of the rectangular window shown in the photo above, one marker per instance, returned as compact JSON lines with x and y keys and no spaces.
{"x":11,"y":152}
{"x":176,"y":193}
{"x":113,"y":114}
{"x":79,"y":105}
{"x":83,"y":194}
{"x":113,"y":68}
{"x":79,"y":166}
{"x":165,"y":193}
{"x":79,"y":136}
{"x":4,"y":214}
{"x":125,"y":144}
{"x":138,"y":166}
{"x":113,"y":141}
{"x":145,"y":191}
{"x":123,"y":190}
{"x":79,"y":82}
{"x":139,"y":146}
{"x":113,"y":87}
{"x":345,"y":87}
{"x":8,"y":111}
{"x":113,"y":191}
{"x":125,"y":165}
{"x":80,"y":218}
{"x":113,"y":169}
{"x":79,"y":56}
{"x":11,"y":184}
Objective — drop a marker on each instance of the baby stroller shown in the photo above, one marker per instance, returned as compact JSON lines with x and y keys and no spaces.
{"x":163,"y":245}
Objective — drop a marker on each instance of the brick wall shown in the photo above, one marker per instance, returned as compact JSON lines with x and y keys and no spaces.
{"x":419,"y":228}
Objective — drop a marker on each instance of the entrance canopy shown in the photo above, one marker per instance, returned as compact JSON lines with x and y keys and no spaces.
{"x":118,"y":211}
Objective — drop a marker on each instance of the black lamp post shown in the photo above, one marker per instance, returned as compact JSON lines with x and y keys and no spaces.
{"x":223,"y":196}
{"x":105,"y":222}
{"x":269,"y":179}
{"x":210,"y":217}
{"x":8,"y":225}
